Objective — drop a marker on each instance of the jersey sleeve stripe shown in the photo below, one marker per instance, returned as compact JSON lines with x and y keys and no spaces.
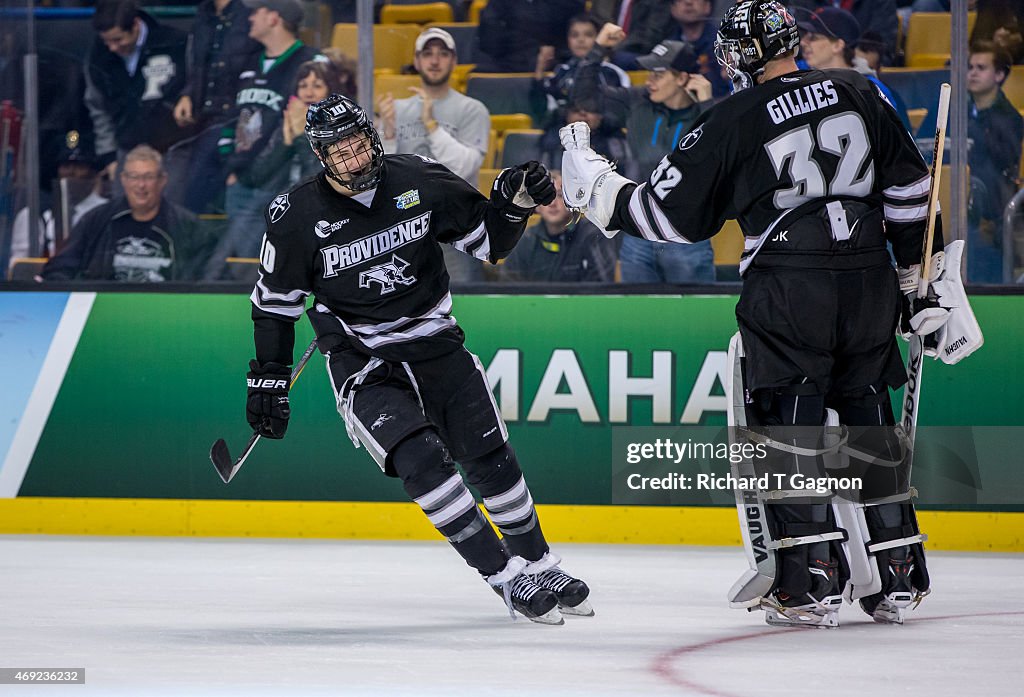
{"x":906,"y":214}
{"x":650,"y":219}
{"x":291,"y":296}
{"x":290,"y":305}
{"x":292,"y":312}
{"x":470,"y":238}
{"x":918,"y":188}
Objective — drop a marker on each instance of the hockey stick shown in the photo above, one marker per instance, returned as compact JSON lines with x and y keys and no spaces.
{"x":915,"y":349}
{"x":219,"y":455}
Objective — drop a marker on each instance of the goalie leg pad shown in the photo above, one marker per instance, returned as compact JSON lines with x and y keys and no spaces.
{"x":797,"y":568}
{"x":898,"y":548}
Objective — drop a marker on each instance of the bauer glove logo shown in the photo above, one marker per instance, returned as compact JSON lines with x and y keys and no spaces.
{"x":266,"y":384}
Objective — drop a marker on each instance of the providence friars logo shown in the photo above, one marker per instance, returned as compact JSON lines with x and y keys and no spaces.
{"x":387,"y":275}
{"x":278,"y":207}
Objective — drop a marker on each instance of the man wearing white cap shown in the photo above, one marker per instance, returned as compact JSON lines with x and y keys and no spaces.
{"x":439,"y":122}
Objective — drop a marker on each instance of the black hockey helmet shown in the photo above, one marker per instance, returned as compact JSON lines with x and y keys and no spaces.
{"x":334,"y":119}
{"x":752,"y":33}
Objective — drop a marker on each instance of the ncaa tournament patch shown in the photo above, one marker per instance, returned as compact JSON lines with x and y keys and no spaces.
{"x":408,"y":199}
{"x":278,"y":207}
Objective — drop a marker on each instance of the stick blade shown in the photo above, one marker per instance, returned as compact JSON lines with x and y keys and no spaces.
{"x":221,"y":459}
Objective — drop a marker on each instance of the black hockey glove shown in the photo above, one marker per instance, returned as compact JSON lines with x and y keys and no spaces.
{"x":266,"y":406}
{"x":518,"y":190}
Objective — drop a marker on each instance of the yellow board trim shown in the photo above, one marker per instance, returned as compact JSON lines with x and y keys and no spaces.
{"x":947,"y":530}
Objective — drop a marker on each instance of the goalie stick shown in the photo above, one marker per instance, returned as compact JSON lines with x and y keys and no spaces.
{"x":219,"y":455}
{"x":915,"y":349}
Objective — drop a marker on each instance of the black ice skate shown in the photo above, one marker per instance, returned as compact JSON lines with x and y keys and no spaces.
{"x":819,"y":607}
{"x":523,"y":595}
{"x":898,"y":592}
{"x":571,"y":592}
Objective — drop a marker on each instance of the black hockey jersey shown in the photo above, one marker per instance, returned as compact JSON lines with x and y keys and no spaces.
{"x":781,"y":150}
{"x":377,"y":273}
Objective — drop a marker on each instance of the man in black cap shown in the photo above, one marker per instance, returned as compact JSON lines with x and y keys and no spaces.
{"x":660,"y":114}
{"x":829,"y":38}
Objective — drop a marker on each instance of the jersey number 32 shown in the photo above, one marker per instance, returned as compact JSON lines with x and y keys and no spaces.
{"x":793,"y":153}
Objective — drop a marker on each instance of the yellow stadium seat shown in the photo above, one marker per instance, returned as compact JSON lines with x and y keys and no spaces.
{"x":416,"y":14}
{"x":503,"y":122}
{"x":946,"y":198}
{"x":397,"y":85}
{"x":460,"y":76}
{"x":25,"y":268}
{"x":1013,"y":88}
{"x":486,"y":179}
{"x":475,"y":9}
{"x":929,"y":38}
{"x":493,"y":145}
{"x":393,"y":44}
{"x":916,"y":116}
{"x":637,"y":78}
{"x":728,"y":244}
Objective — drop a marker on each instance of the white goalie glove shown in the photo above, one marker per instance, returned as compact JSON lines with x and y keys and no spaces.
{"x":589,"y":181}
{"x":950,"y":316}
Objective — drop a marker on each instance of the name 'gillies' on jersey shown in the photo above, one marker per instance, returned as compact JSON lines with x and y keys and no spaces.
{"x":373,"y":261}
{"x":785,"y":152}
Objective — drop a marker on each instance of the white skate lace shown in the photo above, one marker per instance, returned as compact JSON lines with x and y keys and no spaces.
{"x":554,"y":579}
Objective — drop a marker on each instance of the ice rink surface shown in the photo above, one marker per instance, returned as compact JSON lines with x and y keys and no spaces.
{"x":197,"y":617}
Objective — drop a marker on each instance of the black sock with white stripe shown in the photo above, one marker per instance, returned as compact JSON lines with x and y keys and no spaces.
{"x":431,"y":480}
{"x":500,"y":481}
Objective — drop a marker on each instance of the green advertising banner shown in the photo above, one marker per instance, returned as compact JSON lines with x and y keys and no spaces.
{"x":156,"y":378}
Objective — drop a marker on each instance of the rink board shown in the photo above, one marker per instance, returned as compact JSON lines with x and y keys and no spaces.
{"x":118,"y":443}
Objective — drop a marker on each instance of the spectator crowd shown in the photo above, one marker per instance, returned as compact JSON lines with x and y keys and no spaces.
{"x":168,"y":144}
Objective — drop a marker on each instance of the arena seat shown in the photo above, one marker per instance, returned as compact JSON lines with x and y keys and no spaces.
{"x":392,"y":43}
{"x":475,"y":9}
{"x":929,"y":38}
{"x":519,"y":146}
{"x":486,"y":179}
{"x":1013,"y":88}
{"x":501,"y":93}
{"x":25,"y":268}
{"x":420,"y":13}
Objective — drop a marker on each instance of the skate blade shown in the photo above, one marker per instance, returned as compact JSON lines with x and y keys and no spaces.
{"x":581,"y":609}
{"x":552,"y":616}
{"x":827,"y":621}
{"x":891,"y":610}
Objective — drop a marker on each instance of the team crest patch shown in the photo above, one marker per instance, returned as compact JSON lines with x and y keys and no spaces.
{"x":691,"y":138}
{"x":278,"y":207}
{"x":387,"y":275}
{"x":774,"y":22}
{"x":407,"y":200}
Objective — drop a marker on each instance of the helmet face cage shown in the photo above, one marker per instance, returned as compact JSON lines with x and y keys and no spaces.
{"x":753,"y":33}
{"x":337,"y":119}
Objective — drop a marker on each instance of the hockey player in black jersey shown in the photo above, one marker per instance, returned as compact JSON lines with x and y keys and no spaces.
{"x":821,"y":176}
{"x":363,"y":238}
